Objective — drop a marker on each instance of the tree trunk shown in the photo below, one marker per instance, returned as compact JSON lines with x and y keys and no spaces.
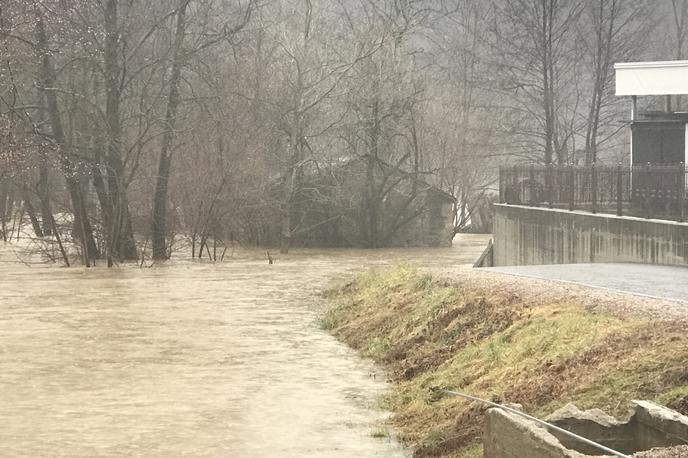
{"x":28,"y":206}
{"x":85,"y":231}
{"x":371,"y":228}
{"x":293,"y":173}
{"x":105,"y":208}
{"x":285,"y":240}
{"x":4,"y":190}
{"x":159,"y":223}
{"x":603,"y":61}
{"x":44,"y":197}
{"x":43,"y":186}
{"x":121,"y":236}
{"x":680,"y":13}
{"x":9,"y":202}
{"x":371,"y":223}
{"x":548,"y":93}
{"x":288,"y":206}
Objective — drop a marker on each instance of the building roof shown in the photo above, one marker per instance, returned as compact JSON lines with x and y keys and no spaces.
{"x":352,"y":161}
{"x":652,"y":78}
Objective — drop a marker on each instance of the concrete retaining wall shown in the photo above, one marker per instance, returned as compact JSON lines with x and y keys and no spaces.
{"x":532,"y":236}
{"x":657,"y":426}
{"x":507,"y":435}
{"x":650,"y":427}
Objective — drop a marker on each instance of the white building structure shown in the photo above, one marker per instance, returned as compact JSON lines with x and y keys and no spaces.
{"x":658,"y":137}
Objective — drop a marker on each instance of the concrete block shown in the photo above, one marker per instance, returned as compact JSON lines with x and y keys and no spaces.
{"x":651,"y":431}
{"x":657,"y":426}
{"x":507,"y":435}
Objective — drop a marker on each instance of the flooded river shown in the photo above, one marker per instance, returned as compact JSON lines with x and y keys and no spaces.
{"x":188,"y":359}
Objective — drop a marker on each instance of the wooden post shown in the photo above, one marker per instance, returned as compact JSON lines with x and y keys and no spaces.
{"x":593,"y":184}
{"x":619,"y":190}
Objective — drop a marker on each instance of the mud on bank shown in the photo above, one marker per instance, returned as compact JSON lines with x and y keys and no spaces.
{"x":482,"y":335}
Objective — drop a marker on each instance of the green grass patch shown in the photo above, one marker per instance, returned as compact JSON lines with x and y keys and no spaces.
{"x":490,"y":343}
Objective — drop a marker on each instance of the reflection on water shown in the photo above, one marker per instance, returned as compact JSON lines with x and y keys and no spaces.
{"x":190,"y":358}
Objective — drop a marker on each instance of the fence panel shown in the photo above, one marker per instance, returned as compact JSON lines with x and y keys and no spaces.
{"x":650,"y":191}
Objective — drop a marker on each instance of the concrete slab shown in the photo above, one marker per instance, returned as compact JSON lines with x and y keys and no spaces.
{"x":664,"y":282}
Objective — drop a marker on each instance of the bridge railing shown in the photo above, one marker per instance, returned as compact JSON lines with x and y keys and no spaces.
{"x":649,"y":191}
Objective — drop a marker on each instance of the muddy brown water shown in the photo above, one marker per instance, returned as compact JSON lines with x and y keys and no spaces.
{"x":189,"y":359}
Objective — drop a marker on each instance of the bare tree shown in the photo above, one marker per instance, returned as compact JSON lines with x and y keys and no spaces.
{"x":297,"y":117}
{"x":533,"y":51}
{"x":117,"y":222}
{"x":179,"y":56}
{"x":315,"y":60}
{"x":173,"y":100}
{"x":679,"y":14}
{"x":69,"y":169}
{"x":612,"y":31}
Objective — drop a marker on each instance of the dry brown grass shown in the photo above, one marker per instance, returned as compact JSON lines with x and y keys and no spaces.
{"x":505,"y":340}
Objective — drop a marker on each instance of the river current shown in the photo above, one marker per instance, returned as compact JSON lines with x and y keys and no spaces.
{"x":192,"y":359}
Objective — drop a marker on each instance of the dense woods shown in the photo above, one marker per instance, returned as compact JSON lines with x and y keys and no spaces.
{"x":134,"y":129}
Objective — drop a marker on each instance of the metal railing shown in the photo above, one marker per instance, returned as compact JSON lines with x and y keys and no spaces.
{"x":649,"y":191}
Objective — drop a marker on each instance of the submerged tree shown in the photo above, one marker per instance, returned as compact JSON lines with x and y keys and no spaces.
{"x":127,"y":125}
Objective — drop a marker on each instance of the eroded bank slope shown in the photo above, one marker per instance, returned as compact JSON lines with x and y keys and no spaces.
{"x":531,"y":343}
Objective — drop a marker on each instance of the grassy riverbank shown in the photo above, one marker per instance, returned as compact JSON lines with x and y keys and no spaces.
{"x":493,"y":341}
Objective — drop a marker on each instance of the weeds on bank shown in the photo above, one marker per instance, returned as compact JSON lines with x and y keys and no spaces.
{"x":494,"y":344}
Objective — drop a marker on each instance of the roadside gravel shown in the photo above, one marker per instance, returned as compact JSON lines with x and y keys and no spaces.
{"x":623,"y":305}
{"x":674,"y":452}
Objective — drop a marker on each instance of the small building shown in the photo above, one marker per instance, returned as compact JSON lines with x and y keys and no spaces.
{"x":332,"y":207}
{"x":657,"y":137}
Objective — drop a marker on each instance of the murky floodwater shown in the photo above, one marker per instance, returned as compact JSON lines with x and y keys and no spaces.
{"x":191,"y":358}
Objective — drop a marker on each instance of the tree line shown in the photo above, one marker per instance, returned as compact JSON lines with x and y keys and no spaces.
{"x":143,"y":126}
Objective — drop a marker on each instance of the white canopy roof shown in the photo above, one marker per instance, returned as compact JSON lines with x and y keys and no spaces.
{"x":652,"y":78}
